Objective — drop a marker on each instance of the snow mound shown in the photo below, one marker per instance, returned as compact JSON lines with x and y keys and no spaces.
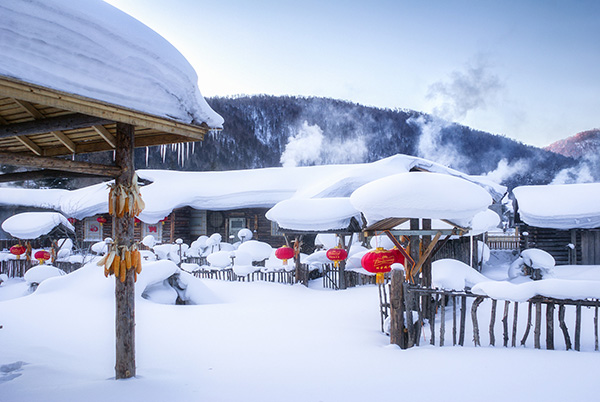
{"x":421,"y":195}
{"x":31,"y":225}
{"x":451,"y":274}
{"x":40,"y":273}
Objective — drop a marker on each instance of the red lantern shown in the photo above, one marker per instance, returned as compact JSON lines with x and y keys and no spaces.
{"x":398,"y":256}
{"x":336,"y":255}
{"x":379,"y":262}
{"x":42,"y":256}
{"x":101,"y":220}
{"x":17,"y":250}
{"x":284,"y":253}
{"x":71,"y":220}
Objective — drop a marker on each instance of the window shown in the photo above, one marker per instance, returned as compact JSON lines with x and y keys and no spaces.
{"x":235,"y":225}
{"x":154,"y":229}
{"x":92,"y":230}
{"x":275,"y":229}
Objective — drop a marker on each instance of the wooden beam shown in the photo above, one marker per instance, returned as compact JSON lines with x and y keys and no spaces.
{"x":92,"y":107}
{"x":58,"y":164}
{"x":106,"y":135}
{"x":59,"y":135}
{"x":60,"y":123}
{"x":44,"y":174}
{"x":30,"y":145}
{"x":29,"y":108}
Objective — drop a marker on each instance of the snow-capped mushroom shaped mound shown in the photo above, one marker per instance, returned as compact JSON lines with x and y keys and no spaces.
{"x":220,"y":259}
{"x":40,"y":273}
{"x":92,"y":49}
{"x":381,"y":241}
{"x":244,"y":234}
{"x":31,"y":225}
{"x":421,"y":195}
{"x":149,"y":241}
{"x":538,"y":259}
{"x":258,"y":250}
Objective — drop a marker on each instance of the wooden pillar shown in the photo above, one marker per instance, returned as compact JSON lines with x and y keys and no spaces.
{"x":414,"y":246}
{"x":426,"y":268}
{"x":398,"y":332}
{"x":125,"y":291}
{"x":342,"y":266}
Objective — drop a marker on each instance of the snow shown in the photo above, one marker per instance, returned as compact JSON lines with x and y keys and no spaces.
{"x":450,"y":274}
{"x":94,"y":50}
{"x":31,"y":225}
{"x":40,"y":273}
{"x":536,"y":258}
{"x":313,"y":214}
{"x":421,"y":195}
{"x":235,"y":346}
{"x":216,"y":191}
{"x":565,"y":206}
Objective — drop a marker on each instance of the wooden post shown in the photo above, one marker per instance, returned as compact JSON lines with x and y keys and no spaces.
{"x":426,"y":266}
{"x":398,"y":333}
{"x":124,"y":291}
{"x":414,"y":249}
{"x":549,"y":326}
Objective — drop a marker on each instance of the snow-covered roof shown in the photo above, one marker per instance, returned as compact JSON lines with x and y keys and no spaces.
{"x":31,"y":225}
{"x":421,"y":195}
{"x":564,"y":206}
{"x":90,"y":48}
{"x":310,"y":214}
{"x":223,"y":190}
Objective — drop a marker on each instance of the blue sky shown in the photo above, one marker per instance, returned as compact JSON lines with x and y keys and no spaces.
{"x":528,"y":70}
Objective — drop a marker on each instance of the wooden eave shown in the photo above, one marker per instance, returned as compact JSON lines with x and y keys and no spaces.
{"x":43,"y":122}
{"x":389,"y":224}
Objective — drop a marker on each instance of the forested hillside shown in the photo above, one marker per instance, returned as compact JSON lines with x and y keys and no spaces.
{"x":266,"y":131}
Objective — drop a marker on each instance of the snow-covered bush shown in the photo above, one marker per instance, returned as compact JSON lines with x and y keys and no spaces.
{"x":36,"y":275}
{"x":532,"y":262}
{"x":259,"y":250}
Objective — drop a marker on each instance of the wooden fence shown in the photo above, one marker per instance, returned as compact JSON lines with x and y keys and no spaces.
{"x":287,"y":277}
{"x":17,"y":268}
{"x":503,"y":242}
{"x":331,"y":278}
{"x":442,"y":317}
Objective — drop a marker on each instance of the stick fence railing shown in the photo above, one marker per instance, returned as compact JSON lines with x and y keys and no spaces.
{"x":442,"y":317}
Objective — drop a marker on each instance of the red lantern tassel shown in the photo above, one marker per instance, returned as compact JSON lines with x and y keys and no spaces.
{"x":379,"y":278}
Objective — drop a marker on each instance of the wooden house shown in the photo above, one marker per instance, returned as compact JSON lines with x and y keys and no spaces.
{"x":563,"y":220}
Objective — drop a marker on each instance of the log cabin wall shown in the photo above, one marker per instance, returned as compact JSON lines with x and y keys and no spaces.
{"x":556,"y":242}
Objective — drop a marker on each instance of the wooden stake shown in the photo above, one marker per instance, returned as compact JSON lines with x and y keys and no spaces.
{"x":493,"y":323}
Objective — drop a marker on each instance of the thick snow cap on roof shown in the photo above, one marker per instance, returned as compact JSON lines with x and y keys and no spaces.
{"x":421,"y":195}
{"x":92,"y":49}
{"x":564,"y":206}
{"x":313,"y":214}
{"x":31,"y":225}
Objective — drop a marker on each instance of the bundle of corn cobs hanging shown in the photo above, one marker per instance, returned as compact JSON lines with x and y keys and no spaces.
{"x":123,"y":199}
{"x":120,"y":259}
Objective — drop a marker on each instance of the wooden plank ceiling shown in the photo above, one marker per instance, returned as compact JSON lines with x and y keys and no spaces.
{"x":45,"y":123}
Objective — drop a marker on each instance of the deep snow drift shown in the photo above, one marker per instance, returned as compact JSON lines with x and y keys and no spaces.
{"x":256,"y":342}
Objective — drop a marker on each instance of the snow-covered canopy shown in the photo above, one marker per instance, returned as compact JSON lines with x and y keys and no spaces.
{"x":421,"y":195}
{"x":254,"y":188}
{"x":31,"y":225}
{"x":90,"y":48}
{"x":565,"y":206}
{"x":314,"y":213}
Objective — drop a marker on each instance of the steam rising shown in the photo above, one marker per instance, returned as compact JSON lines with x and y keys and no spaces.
{"x":465,"y":91}
{"x":310,"y":147}
{"x":504,"y":170}
{"x":588,"y":171}
{"x":430,"y":142}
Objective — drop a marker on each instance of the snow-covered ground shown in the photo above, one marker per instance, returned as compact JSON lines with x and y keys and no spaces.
{"x":259,"y":342}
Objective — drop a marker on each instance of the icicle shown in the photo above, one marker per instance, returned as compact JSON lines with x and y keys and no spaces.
{"x":147,"y":152}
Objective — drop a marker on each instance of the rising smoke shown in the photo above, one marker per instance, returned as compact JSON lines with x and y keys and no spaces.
{"x":309,"y":146}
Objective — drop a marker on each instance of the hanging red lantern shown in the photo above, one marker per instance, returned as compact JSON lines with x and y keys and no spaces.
{"x":379,"y":262}
{"x":72,"y":220}
{"x":398,"y":256}
{"x":336,"y":255}
{"x":284,"y":253}
{"x":42,"y":256}
{"x":101,"y":220}
{"x":17,"y":250}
